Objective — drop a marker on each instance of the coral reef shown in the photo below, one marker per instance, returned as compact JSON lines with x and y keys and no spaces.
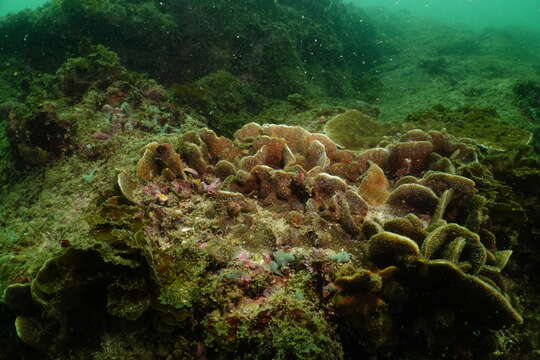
{"x":141,"y":220}
{"x":278,"y":243}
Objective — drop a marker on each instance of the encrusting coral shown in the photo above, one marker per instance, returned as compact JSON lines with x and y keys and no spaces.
{"x":279,"y":226}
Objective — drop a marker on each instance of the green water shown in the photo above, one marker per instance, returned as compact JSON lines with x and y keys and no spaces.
{"x":473,"y":13}
{"x":11,"y":6}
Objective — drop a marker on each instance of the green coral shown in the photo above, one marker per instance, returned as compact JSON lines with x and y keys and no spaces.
{"x":281,"y":259}
{"x":341,"y":257}
{"x":356,"y":130}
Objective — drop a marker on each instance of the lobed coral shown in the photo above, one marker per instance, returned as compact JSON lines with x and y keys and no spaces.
{"x":389,"y":206}
{"x":230,"y":243}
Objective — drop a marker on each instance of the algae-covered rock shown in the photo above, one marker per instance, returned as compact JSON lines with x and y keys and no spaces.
{"x":283,"y":325}
{"x":82,"y":109}
{"x":41,"y":134}
{"x":482,"y":124}
{"x":98,"y":69}
{"x":258,"y":40}
{"x":227,"y":101}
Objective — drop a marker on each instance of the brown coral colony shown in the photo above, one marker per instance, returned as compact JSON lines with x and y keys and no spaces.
{"x":400,"y":206}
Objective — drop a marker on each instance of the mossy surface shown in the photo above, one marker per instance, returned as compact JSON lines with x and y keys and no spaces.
{"x":5,"y":151}
{"x":225,"y":100}
{"x":282,"y":47}
{"x":482,"y":124}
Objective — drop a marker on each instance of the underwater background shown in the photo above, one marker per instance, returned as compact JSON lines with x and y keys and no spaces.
{"x":269,"y":179}
{"x":7,"y":7}
{"x":473,"y":14}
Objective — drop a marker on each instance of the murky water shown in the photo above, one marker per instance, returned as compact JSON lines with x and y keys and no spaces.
{"x":472,"y":13}
{"x":11,"y":6}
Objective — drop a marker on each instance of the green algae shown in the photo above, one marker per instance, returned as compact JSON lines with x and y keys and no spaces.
{"x":283,"y":47}
{"x":182,"y":282}
{"x":225,"y":100}
{"x":281,"y":326}
{"x":281,"y":259}
{"x":5,"y":150}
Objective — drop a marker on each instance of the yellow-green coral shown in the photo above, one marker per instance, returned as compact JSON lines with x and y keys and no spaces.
{"x":356,"y":130}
